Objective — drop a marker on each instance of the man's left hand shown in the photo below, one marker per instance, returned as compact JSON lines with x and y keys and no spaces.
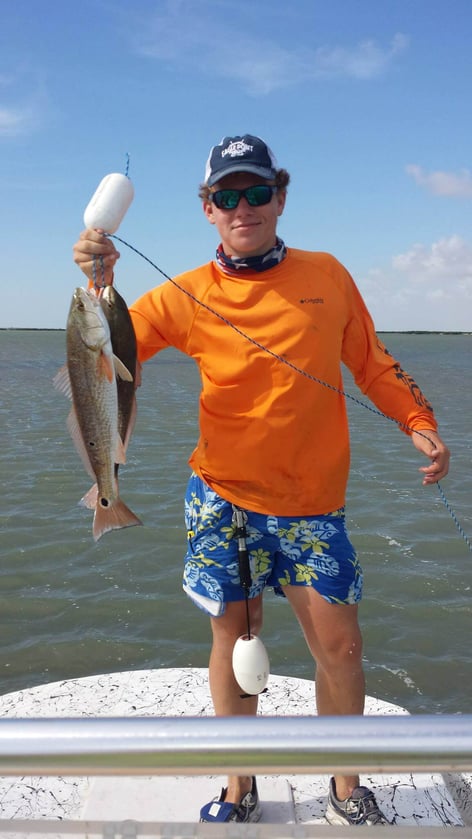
{"x":430,"y":444}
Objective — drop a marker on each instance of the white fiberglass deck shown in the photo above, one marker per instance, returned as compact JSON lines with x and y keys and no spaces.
{"x":406,"y":799}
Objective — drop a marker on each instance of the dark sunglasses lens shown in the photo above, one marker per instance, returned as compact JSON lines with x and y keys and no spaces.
{"x":258,"y":195}
{"x":226,"y":199}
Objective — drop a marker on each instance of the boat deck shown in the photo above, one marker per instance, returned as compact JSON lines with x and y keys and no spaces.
{"x":428,"y":800}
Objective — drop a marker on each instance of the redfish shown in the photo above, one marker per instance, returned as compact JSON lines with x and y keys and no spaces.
{"x":123,"y":342}
{"x":89,"y":379}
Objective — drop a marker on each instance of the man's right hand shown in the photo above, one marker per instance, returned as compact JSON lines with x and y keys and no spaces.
{"x":94,"y":243}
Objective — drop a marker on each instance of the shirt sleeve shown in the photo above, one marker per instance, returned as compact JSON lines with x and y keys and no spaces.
{"x":162,"y":317}
{"x":379,"y":375}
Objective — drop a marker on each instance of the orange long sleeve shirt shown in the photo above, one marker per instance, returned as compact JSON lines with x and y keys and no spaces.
{"x":273,"y":440}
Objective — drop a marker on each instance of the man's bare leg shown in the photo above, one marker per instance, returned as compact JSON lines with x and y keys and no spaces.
{"x":334,"y":639}
{"x":225,"y":691}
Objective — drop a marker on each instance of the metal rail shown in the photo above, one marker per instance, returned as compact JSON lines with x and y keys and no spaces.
{"x":238,"y":745}
{"x":43,"y":829}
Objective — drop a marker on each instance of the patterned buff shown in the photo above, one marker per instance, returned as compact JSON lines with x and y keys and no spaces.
{"x":236,"y":265}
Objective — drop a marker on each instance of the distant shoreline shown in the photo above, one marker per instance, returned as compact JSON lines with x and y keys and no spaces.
{"x":379,"y":331}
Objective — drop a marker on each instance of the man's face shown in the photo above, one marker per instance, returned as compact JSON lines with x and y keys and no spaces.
{"x":246,"y":230}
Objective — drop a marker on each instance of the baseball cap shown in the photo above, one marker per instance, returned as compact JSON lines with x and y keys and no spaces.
{"x":240,"y":154}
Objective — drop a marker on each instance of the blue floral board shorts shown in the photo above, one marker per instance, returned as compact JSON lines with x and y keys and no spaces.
{"x":283,"y":550}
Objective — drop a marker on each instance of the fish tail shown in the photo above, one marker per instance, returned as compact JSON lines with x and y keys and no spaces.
{"x":112,"y":516}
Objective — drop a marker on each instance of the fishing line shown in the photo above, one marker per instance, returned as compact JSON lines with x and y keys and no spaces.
{"x":302,"y":372}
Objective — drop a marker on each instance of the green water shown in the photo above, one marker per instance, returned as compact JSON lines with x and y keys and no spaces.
{"x":71,"y":608}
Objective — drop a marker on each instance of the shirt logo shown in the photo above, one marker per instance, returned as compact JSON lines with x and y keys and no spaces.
{"x":312,"y":300}
{"x":237,"y":149}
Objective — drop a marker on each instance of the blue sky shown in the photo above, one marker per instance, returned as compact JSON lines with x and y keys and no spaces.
{"x":367,"y":103}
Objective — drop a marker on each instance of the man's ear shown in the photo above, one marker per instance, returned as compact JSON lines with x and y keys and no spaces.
{"x":281,"y":199}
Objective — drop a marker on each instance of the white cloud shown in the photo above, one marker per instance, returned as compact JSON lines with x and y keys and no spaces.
{"x":19,"y":107}
{"x":447,"y":259}
{"x":363,"y":61}
{"x":14,"y":120}
{"x":426,"y":288}
{"x":443,"y":183}
{"x":189,"y":39}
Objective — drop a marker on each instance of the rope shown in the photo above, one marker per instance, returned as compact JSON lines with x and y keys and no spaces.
{"x":96,"y":284}
{"x":302,"y":372}
{"x":454,"y":517}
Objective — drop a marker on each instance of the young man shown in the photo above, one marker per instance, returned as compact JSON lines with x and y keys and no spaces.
{"x":274,"y":439}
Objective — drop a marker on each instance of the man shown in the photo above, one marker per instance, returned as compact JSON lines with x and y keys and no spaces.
{"x":274,"y":439}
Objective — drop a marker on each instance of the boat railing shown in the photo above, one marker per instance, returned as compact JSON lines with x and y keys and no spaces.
{"x":238,"y":745}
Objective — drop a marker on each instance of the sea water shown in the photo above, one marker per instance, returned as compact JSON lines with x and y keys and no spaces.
{"x":72,"y":608}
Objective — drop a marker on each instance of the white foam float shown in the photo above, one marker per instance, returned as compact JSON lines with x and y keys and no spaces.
{"x":109,"y":203}
{"x":251,"y":664}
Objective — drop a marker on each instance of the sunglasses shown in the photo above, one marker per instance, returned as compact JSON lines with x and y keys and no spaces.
{"x":256,"y":196}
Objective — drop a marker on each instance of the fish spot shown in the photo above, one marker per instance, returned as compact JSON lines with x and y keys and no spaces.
{"x":104,"y":502}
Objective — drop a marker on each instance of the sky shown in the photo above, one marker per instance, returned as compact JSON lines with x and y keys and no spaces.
{"x":366,"y":103}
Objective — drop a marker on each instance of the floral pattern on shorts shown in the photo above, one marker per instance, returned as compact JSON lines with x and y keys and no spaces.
{"x":310,"y":551}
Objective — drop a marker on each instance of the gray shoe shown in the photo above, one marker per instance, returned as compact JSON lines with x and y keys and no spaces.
{"x":360,"y":808}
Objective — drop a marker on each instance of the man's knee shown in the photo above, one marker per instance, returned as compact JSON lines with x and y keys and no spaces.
{"x":342,"y":651}
{"x":234,"y":621}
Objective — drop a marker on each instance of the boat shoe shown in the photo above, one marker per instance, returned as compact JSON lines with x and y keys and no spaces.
{"x":219,"y":810}
{"x":360,"y":808}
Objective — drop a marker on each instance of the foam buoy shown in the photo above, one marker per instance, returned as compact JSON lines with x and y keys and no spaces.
{"x":108,"y":204}
{"x":250,"y":664}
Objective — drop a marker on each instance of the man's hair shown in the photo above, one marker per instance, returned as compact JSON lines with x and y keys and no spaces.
{"x":282,"y":180}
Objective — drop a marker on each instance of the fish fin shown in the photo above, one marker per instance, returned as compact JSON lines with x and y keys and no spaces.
{"x":89,"y":500}
{"x":121,"y":371}
{"x":131,"y":423}
{"x":107,"y":366}
{"x":78,"y":440}
{"x":112,"y":517}
{"x":61,"y":381}
{"x":120,"y":451}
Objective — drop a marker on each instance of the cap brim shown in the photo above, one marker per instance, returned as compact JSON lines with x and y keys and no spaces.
{"x":261,"y":171}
